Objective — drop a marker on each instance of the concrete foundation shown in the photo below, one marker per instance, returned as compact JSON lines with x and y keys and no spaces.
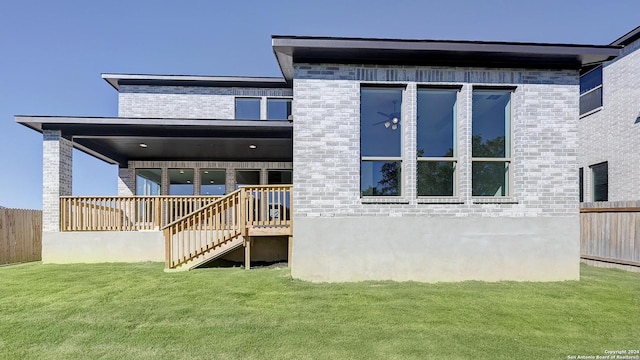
{"x":102,"y":246}
{"x":433,"y":249}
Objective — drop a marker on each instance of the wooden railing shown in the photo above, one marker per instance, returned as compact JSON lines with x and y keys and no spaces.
{"x":226,"y":219}
{"x":214,"y":224}
{"x":269,"y":205}
{"x":125,"y":213}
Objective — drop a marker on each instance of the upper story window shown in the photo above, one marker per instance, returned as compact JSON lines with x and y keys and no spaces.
{"x":380,"y":141}
{"x":248,"y":108}
{"x":591,"y":90}
{"x":491,"y":142}
{"x":436,"y":140}
{"x":600,"y":181}
{"x":278,"y":109}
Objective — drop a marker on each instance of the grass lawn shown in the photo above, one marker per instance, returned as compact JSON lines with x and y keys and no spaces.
{"x":136,"y":311}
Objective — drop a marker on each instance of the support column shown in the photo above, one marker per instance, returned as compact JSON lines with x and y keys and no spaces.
{"x":247,"y":252}
{"x":57,"y":161}
{"x":126,"y":181}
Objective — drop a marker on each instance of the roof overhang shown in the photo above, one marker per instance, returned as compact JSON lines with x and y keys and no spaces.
{"x":304,"y":49}
{"x":116,"y":80}
{"x":118,"y":140}
{"x":627,"y":38}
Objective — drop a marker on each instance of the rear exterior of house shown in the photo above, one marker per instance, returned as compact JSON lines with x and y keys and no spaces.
{"x":610,"y":126}
{"x":410,"y":160}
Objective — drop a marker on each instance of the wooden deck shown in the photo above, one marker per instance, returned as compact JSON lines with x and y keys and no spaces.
{"x":196,"y":228}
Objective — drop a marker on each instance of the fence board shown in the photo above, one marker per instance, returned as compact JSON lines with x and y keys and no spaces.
{"x":611,"y":230}
{"x":20,"y":236}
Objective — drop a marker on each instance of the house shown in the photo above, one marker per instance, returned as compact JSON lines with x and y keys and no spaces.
{"x":609,"y":126}
{"x":409,"y":160}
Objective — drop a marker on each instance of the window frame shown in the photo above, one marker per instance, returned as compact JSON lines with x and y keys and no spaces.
{"x":245,"y":98}
{"x":581,"y":184}
{"x":593,"y":168}
{"x":401,"y":158}
{"x":599,"y":88}
{"x":455,"y":159}
{"x":508,"y":159}
{"x":276,"y":98}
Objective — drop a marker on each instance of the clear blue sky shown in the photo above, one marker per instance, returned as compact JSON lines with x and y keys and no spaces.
{"x":53,"y":52}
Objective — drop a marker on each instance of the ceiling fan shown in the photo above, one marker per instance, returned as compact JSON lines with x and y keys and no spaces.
{"x":393,"y":119}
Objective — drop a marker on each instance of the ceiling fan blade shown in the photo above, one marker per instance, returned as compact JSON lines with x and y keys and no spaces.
{"x":379,"y":122}
{"x":383,"y":114}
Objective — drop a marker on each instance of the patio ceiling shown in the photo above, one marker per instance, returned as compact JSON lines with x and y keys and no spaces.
{"x":118,"y":140}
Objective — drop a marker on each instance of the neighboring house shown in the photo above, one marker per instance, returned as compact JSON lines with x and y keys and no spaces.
{"x":412,"y":160}
{"x":609,"y":158}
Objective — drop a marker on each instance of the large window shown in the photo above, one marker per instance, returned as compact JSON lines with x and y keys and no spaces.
{"x":278,"y":109}
{"x":591,"y":90}
{"x":491,"y":143}
{"x":279,"y":177}
{"x":181,"y":182}
{"x":600,"y":181}
{"x":247,"y":177}
{"x":212,"y":182}
{"x":436,"y":140}
{"x":148,"y":181}
{"x":380,"y":141}
{"x":248,"y":108}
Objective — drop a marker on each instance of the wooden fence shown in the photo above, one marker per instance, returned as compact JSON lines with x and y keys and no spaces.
{"x":610,"y":232}
{"x":20,"y":236}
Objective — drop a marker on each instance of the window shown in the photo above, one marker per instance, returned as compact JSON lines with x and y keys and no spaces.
{"x":600,"y":181}
{"x":278,"y":109}
{"x":436,"y":151}
{"x":247,"y":177}
{"x":248,"y":108}
{"x":180,"y":181}
{"x":591,"y":90}
{"x":279,"y":177}
{"x":491,"y":143}
{"x":148,"y":181}
{"x":581,"y":183}
{"x":380,"y":141}
{"x":212,"y":182}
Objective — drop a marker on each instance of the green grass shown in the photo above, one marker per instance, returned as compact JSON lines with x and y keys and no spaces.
{"x":136,"y":311}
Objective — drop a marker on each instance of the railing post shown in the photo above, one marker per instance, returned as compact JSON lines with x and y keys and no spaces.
{"x":167,"y":247}
{"x":158,"y":211}
{"x":242,"y":204}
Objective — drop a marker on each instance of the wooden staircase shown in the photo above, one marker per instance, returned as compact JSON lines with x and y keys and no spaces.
{"x":228,"y":223}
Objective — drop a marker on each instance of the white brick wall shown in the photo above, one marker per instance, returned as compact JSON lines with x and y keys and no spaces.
{"x":186,"y":101}
{"x":327,"y":145}
{"x":56,"y":177}
{"x":611,"y":134}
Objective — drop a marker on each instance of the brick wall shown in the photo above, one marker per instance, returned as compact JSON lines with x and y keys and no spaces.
{"x":611,"y":134}
{"x":327,"y":140}
{"x":56,"y":177}
{"x":187,"y":101}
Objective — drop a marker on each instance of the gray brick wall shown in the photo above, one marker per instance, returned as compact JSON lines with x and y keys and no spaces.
{"x":186,"y":102}
{"x":326,"y":113}
{"x":611,"y":134}
{"x":56,"y":177}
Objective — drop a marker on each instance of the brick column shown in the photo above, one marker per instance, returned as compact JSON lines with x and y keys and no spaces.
{"x":126,"y":181}
{"x":56,"y":177}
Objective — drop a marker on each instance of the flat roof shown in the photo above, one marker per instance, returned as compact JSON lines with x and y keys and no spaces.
{"x":117,"y":140}
{"x":344,"y":50}
{"x":115,"y":80}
